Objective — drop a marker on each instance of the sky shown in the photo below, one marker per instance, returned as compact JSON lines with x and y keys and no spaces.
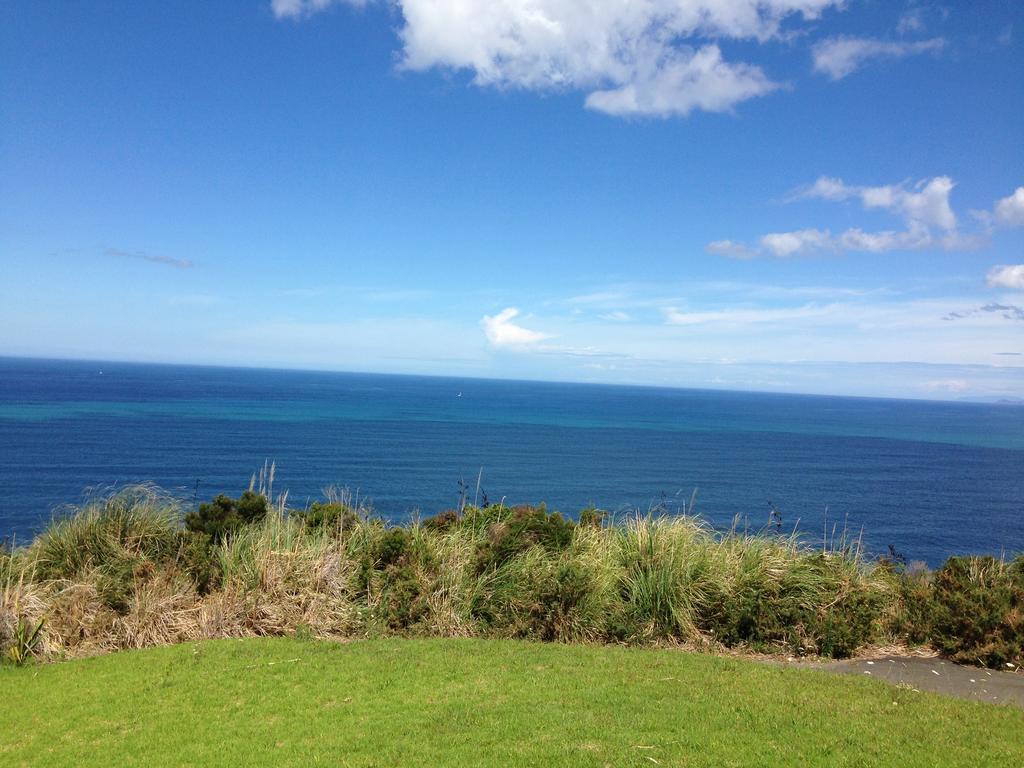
{"x":777,"y":195}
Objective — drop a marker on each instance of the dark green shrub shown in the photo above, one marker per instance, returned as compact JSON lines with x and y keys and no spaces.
{"x":442,"y":521}
{"x":389,"y":575}
{"x":196,"y":558}
{"x":331,"y":516}
{"x":392,"y":548}
{"x":593,"y":516}
{"x":978,"y":611}
{"x":223,"y":515}
{"x":402,"y":602}
{"x":812,"y":607}
{"x":558,"y":597}
{"x":840,"y":629}
{"x":912,"y":616}
{"x":523,"y":528}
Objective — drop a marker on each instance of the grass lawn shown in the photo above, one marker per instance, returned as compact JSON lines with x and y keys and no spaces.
{"x":400,"y":702}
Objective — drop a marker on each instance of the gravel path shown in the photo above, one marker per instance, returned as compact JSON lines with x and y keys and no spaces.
{"x":936,"y":675}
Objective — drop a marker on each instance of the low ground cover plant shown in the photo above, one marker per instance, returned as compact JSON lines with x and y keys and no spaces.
{"x":134,"y":569}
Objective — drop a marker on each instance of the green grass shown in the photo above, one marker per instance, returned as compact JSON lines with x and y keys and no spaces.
{"x":292,"y":702}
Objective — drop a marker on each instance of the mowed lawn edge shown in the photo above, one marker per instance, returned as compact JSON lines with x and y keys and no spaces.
{"x":409,"y":702}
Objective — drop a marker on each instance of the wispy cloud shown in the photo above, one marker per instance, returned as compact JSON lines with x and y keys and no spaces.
{"x":924,"y":207}
{"x":1006,"y":311}
{"x":925,"y":203}
{"x":731,"y":249}
{"x":746,"y":315}
{"x":785,"y":244}
{"x":300,"y":9}
{"x":911,"y":21}
{"x":839,"y":57}
{"x":153,"y":258}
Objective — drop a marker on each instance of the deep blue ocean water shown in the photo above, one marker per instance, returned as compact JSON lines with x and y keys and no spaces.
{"x":931,"y":479}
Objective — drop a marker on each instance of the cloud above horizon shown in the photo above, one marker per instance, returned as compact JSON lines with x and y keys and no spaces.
{"x":1006,"y":311}
{"x":928,"y":218}
{"x":658,"y":58}
{"x":839,"y":57}
{"x":153,"y":258}
{"x":502,"y":333}
{"x":1009,"y":211}
{"x":1006,"y":276}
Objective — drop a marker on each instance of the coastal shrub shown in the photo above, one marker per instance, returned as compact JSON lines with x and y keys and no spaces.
{"x":592,"y":516}
{"x":554,"y":595}
{"x":332,"y":516}
{"x":910,"y":617}
{"x":197,"y":560}
{"x":123,"y":571}
{"x":442,"y":521}
{"x":851,"y":620}
{"x":781,"y":596}
{"x":518,"y":530}
{"x":399,"y":572}
{"x":978,"y":611}
{"x":224,"y":515}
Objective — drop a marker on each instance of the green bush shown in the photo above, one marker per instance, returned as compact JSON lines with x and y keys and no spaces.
{"x":442,"y":521}
{"x":333,"y":516}
{"x":978,"y":611}
{"x":522,"y":527}
{"x":223,"y":515}
{"x":911,"y":615}
{"x":395,"y":572}
{"x":593,"y":516}
{"x":197,"y":559}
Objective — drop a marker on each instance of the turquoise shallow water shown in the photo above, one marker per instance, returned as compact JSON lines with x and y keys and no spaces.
{"x":929,"y":478}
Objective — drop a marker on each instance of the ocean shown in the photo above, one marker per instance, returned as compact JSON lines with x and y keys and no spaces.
{"x":930,"y":479}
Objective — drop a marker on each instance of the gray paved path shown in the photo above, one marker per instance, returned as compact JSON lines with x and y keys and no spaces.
{"x":936,"y":675}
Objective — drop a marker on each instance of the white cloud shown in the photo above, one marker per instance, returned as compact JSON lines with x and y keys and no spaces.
{"x":617,"y":316}
{"x":926,"y":203}
{"x":1009,"y":211}
{"x":298,"y":9}
{"x":649,"y":57}
{"x":731,"y":249}
{"x":682,"y":83}
{"x":838,"y":57}
{"x":924,"y":208}
{"x":1006,"y":276}
{"x":785,"y":244}
{"x":501,"y":332}
{"x":911,"y":21}
{"x":747,"y":315}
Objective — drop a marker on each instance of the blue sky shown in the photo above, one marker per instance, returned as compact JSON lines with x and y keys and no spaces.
{"x":791,"y":195}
